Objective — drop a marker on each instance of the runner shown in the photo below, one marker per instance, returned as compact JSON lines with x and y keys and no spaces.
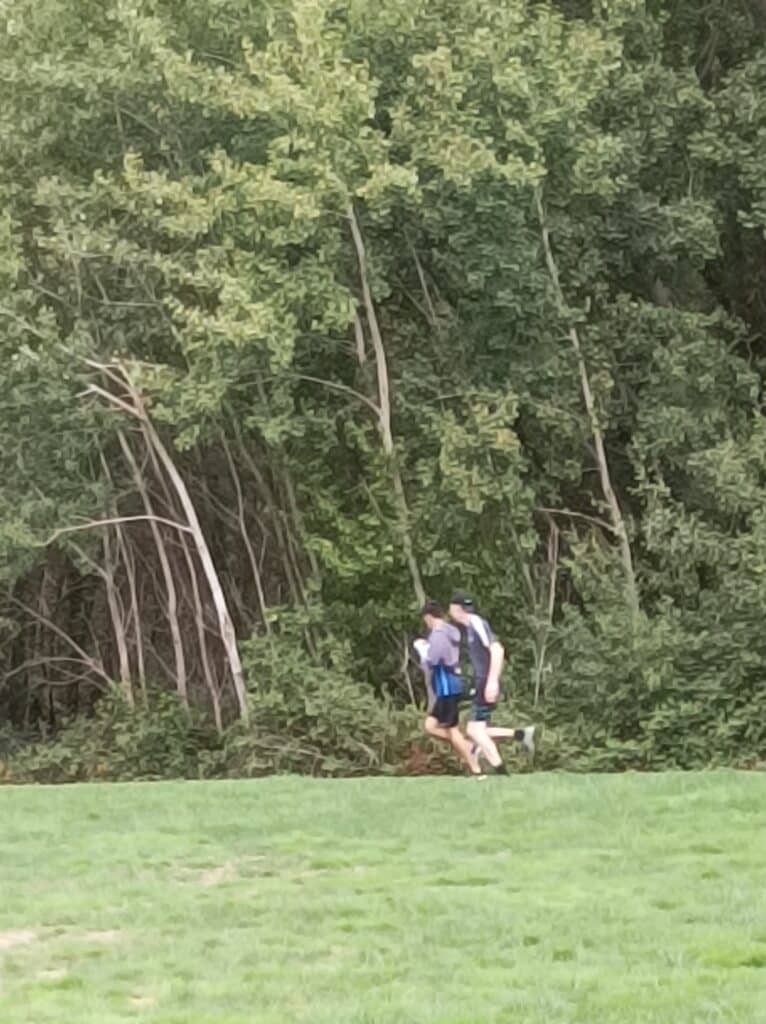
{"x":441,"y":662}
{"x":487,"y":656}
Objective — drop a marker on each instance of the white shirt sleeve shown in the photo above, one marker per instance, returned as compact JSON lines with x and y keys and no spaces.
{"x":479,"y":626}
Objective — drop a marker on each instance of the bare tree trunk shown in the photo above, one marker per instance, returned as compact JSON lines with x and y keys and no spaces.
{"x":268,"y":496}
{"x":384,"y":407}
{"x":106,"y":573}
{"x":285,"y":543}
{"x":199,"y":621}
{"x":117,"y":615}
{"x":119,"y":375}
{"x":130,"y":573}
{"x":405,"y":669}
{"x":298,"y":518}
{"x":293,"y":576}
{"x":539,"y":628}
{"x":226,"y":626}
{"x":545,"y":627}
{"x":135,"y":608}
{"x":167,"y":572}
{"x":48,"y":590}
{"x":618,"y":525}
{"x":429,"y":309}
{"x":198,"y":612}
{"x":285,"y":534}
{"x":246,"y":538}
{"x":360,"y":341}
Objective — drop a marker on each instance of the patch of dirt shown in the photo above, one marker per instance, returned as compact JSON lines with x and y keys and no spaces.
{"x":19,"y":937}
{"x":142,"y":1002}
{"x":102,"y":938}
{"x":52,"y":974}
{"x":215,"y":876}
{"x":231,"y":871}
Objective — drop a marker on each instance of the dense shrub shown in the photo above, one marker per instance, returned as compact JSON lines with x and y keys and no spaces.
{"x":158,"y":740}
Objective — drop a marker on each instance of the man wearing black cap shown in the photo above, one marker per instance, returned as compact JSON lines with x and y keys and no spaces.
{"x":487,"y":656}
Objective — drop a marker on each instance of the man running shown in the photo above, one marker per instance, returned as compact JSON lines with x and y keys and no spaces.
{"x":441,"y":662}
{"x":487,"y":656}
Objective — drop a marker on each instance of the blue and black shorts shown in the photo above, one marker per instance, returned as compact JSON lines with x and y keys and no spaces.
{"x":481,"y":712}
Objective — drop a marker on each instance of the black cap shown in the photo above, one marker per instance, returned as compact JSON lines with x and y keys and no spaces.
{"x":462,"y":599}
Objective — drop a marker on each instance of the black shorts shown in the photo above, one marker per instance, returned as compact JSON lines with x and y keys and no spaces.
{"x":446,"y":711}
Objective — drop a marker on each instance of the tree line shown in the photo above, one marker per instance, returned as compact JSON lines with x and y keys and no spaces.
{"x":312,"y":309}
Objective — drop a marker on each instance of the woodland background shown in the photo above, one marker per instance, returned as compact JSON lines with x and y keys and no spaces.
{"x":311,"y":309}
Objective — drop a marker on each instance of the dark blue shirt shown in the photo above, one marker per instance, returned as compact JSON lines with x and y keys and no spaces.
{"x":480,"y":638}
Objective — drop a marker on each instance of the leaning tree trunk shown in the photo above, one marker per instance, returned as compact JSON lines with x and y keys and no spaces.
{"x":384,"y":404}
{"x":197,"y":609}
{"x":118,"y":374}
{"x":618,"y":526}
{"x":225,"y":624}
{"x":167,"y":572}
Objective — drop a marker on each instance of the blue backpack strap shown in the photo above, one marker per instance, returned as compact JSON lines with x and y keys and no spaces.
{"x":446,"y":683}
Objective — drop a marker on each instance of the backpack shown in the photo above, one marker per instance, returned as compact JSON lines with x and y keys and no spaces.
{"x":446,"y":682}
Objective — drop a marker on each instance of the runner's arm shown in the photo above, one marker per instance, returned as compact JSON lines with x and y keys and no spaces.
{"x":430,"y":695}
{"x":496,"y":661}
{"x":423,"y":651}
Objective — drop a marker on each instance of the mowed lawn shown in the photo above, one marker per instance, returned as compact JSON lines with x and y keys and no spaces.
{"x":538,"y":898}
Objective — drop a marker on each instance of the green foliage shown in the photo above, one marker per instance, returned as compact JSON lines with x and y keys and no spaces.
{"x":156,"y":740}
{"x":177,"y":191}
{"x":313,"y":715}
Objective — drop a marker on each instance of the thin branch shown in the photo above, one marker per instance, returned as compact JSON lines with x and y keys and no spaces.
{"x":246,"y":536}
{"x":94,"y":389}
{"x":112,"y":522}
{"x":432,"y":316}
{"x":75,"y":679}
{"x":37,"y":662}
{"x":576,"y":515}
{"x":86,"y":659}
{"x":341,"y":387}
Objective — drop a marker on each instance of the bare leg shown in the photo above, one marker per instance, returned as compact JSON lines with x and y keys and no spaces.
{"x":456,"y":740}
{"x":526,"y":736}
{"x":479,"y":733}
{"x":498,"y":732}
{"x":462,"y":748}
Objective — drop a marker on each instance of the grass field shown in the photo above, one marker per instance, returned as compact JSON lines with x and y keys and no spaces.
{"x":541,"y":898}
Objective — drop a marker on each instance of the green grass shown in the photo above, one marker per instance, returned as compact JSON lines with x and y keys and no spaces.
{"x":540,"y":898}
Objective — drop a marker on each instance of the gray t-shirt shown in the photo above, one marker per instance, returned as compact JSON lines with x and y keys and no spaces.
{"x":444,"y":646}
